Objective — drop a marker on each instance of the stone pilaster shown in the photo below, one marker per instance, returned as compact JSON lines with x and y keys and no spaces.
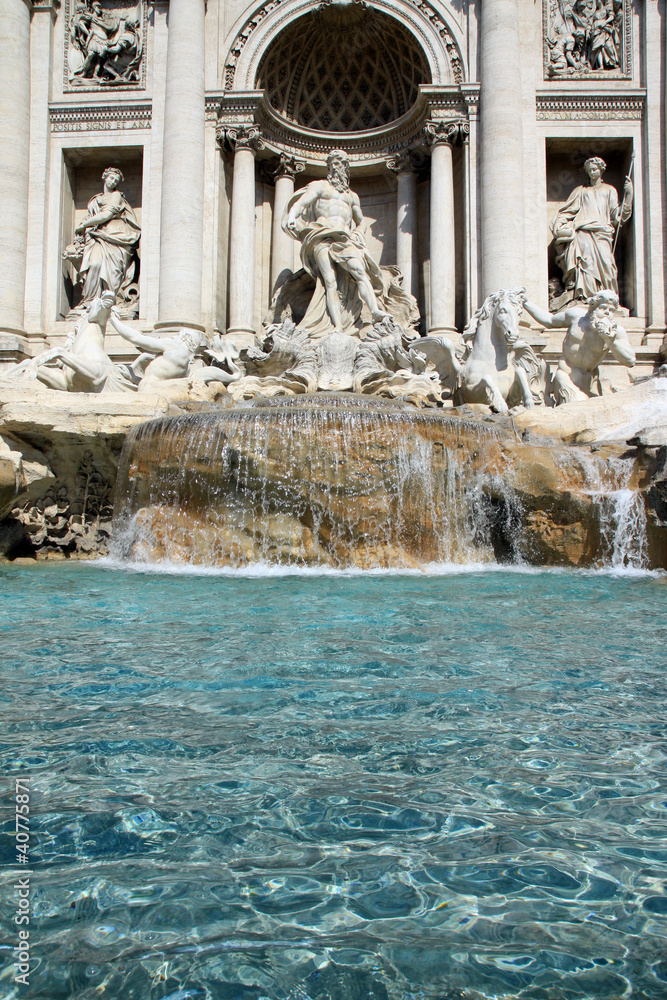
{"x":182,"y":215}
{"x":441,"y":137}
{"x":14,"y":160}
{"x":282,"y":245}
{"x":245,"y":140}
{"x":501,"y":147}
{"x":406,"y":219}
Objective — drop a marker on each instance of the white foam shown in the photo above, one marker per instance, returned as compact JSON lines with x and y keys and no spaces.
{"x":261,"y":570}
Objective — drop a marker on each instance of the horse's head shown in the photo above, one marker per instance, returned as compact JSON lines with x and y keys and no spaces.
{"x":505,"y":310}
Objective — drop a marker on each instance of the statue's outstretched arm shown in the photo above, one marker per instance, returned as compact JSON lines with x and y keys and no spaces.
{"x":308,"y":198}
{"x":135,"y":337}
{"x":544,"y":317}
{"x":106,"y":215}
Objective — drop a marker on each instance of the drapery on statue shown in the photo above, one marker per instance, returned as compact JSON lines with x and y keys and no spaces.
{"x":327,"y":220}
{"x":103,"y":50}
{"x":105,"y":246}
{"x":592,"y":333}
{"x":584,"y":229}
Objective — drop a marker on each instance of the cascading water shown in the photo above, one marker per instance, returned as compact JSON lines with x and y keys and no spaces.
{"x":622,"y":514}
{"x":345,"y":481}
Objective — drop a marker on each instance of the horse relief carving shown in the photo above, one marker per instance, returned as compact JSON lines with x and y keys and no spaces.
{"x":102,"y":49}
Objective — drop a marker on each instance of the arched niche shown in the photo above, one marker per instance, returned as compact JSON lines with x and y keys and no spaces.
{"x":437,"y":38}
{"x":344,"y":70}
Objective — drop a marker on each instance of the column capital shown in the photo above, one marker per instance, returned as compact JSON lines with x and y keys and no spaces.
{"x":245,"y":136}
{"x":454,"y":133}
{"x":402,"y":163}
{"x":288,"y":166}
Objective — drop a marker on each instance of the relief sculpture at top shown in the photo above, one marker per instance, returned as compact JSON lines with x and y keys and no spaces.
{"x":103,"y":49}
{"x":584,"y":36}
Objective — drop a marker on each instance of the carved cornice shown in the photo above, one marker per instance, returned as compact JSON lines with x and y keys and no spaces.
{"x":100,"y":117}
{"x":288,"y":166}
{"x":454,"y":133}
{"x":590,"y":107}
{"x":251,"y":108}
{"x":246,"y":136}
{"x":212,"y":109}
{"x":52,"y":5}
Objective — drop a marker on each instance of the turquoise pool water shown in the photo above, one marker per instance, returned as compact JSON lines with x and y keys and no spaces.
{"x":337,"y":787}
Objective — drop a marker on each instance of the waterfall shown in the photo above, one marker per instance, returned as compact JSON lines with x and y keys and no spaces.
{"x":344,"y":481}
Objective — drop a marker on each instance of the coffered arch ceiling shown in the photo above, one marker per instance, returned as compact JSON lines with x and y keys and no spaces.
{"x":343,"y":70}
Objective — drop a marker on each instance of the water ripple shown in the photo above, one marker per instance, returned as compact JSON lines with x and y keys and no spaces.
{"x":335,"y":787}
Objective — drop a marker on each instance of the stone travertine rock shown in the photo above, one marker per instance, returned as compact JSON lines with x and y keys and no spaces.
{"x":412,"y":488}
{"x":616,"y":416}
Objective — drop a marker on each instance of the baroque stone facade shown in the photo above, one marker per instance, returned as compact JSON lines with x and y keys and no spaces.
{"x":467,"y":126}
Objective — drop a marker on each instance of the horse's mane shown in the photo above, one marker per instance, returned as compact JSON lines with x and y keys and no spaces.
{"x":517,"y":297}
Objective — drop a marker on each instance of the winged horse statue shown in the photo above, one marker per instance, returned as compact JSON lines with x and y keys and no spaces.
{"x":492,"y":365}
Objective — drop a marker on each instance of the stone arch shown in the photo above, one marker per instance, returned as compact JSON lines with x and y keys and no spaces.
{"x":438,"y":39}
{"x":348,"y":73}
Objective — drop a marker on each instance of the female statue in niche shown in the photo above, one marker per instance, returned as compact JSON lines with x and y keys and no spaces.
{"x":105,"y":248}
{"x":584,"y":230}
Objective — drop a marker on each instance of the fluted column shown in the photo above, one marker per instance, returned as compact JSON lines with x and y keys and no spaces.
{"x":245,"y":140}
{"x":441,"y":137}
{"x":406,"y":219}
{"x":14,"y":159}
{"x":41,"y":49}
{"x":182,"y":214}
{"x":501,"y":147}
{"x":282,"y":245}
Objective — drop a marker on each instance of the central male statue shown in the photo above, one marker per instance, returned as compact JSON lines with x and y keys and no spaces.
{"x":326,"y":218}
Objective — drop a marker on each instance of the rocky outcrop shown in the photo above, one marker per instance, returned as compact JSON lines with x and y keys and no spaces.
{"x":464,"y":484}
{"x":616,"y":416}
{"x":58,"y":461}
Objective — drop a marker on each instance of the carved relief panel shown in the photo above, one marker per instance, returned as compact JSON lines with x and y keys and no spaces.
{"x":587,"y":39}
{"x":105,"y":45}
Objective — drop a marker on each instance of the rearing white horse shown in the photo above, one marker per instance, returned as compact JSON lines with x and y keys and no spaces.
{"x":494,"y":366}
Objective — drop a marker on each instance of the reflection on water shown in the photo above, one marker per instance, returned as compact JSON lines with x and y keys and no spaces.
{"x":338,"y":787}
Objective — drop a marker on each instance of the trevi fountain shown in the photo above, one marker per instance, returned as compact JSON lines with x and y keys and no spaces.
{"x":333,"y":499}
